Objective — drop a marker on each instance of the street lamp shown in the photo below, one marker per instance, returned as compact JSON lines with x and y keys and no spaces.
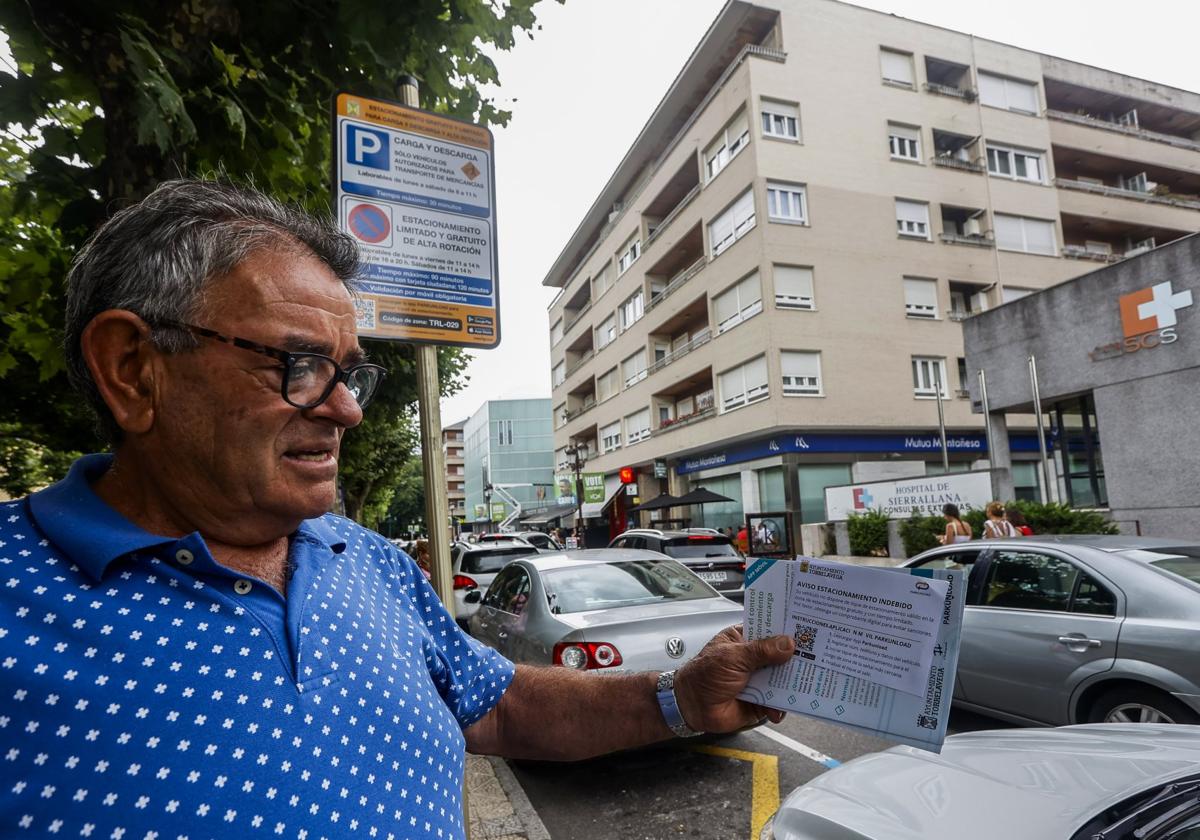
{"x":578,"y":456}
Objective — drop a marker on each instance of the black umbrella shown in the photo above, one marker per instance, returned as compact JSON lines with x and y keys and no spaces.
{"x":665,"y":500}
{"x":700,"y":496}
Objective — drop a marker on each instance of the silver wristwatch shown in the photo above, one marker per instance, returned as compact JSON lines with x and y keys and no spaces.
{"x":665,"y":692}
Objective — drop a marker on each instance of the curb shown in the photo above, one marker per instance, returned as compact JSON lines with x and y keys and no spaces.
{"x":499,"y":808}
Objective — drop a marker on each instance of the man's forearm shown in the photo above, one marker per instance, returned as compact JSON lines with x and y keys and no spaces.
{"x":561,"y":715}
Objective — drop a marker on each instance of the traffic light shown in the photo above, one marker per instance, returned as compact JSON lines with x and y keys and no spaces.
{"x":628,"y":476}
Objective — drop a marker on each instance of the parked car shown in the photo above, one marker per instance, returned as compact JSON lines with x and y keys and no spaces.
{"x":475,"y":565}
{"x":1071,"y":783}
{"x":707,"y":552}
{"x":1078,"y":629}
{"x":537,"y":539}
{"x":601,"y":609}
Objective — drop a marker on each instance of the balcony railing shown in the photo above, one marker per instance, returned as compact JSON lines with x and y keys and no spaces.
{"x":670,"y":217}
{"x":1131,"y":130}
{"x":951,"y":162}
{"x":677,"y":281}
{"x":578,"y":363}
{"x":976,"y":239}
{"x":579,"y":313}
{"x":1117,"y":192}
{"x":1079,"y":252}
{"x":588,"y":405}
{"x":966,"y":94}
{"x":686,"y":420}
{"x":699,"y":339}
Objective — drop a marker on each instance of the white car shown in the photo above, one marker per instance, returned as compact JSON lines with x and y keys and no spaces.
{"x":474,"y":565}
{"x":1107,"y":781}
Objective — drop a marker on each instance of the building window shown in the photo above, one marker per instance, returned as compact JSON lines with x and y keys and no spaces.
{"x":920,"y":298}
{"x":738,"y":303}
{"x":1019,"y":233}
{"x":1011,"y":94}
{"x":1019,"y":164}
{"x":632,"y":309}
{"x":560,"y":415}
{"x":603,"y":281}
{"x":637,"y":426}
{"x":897,"y":68}
{"x":556,"y":332}
{"x":912,"y":218}
{"x":633,"y":369}
{"x":629,"y":253}
{"x":606,"y":385}
{"x":744,"y":384}
{"x":780,"y":120}
{"x":610,"y":437}
{"x":504,"y":433}
{"x":786,"y":202}
{"x":1010,"y":293}
{"x":801,"y":373}
{"x":559,"y":374}
{"x":793,"y":286}
{"x":606,"y":332}
{"x":904,"y":142}
{"x":731,"y":140}
{"x":929,"y":372}
{"x":734,"y":223}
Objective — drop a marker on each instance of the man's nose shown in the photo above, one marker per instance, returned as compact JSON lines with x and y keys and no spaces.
{"x":341,"y":407}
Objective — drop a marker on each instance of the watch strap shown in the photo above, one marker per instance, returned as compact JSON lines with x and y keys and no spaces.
{"x":665,"y":692}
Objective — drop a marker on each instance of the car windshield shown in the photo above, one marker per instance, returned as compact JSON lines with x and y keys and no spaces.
{"x":493,"y":559}
{"x":1170,"y":812}
{"x":1182,"y":563}
{"x":698,"y":547}
{"x":599,"y":586}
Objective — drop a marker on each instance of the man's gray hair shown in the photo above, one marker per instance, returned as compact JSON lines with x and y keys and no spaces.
{"x":157,"y":257}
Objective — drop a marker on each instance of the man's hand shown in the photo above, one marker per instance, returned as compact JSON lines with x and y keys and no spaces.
{"x":708,"y":685}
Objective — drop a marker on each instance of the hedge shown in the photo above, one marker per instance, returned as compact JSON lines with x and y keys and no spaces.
{"x":919,"y":533}
{"x":868,"y":533}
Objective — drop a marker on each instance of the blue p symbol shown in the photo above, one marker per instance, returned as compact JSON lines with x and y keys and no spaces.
{"x":367,"y":147}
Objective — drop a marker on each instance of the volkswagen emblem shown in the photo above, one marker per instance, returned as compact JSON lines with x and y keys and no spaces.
{"x":674,"y":647}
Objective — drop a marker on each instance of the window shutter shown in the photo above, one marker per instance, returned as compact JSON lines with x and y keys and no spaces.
{"x":793,"y":285}
{"x":897,"y":67}
{"x":725,"y":306}
{"x":1009,"y":235}
{"x":991,"y":90}
{"x":1039,"y":236}
{"x":797,"y":363}
{"x":912,"y":211}
{"x":920,"y":296}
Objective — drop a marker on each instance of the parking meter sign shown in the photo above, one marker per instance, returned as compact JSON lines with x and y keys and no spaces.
{"x":416,"y":190}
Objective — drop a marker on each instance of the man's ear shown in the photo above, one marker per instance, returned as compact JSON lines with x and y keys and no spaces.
{"x":117,"y":350}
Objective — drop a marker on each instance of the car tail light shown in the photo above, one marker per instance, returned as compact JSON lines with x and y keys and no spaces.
{"x":586,"y":656}
{"x":695,"y":538}
{"x":464,"y":582}
{"x":743,"y":565}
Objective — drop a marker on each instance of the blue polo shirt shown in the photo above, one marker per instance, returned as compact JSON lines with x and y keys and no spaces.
{"x":147,"y":691}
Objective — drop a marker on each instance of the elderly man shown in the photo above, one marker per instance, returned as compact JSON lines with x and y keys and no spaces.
{"x":193,"y":646}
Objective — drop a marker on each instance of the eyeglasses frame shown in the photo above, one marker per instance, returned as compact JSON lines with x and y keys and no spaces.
{"x":288,"y":359}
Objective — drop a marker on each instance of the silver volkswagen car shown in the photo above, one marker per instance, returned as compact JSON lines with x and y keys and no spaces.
{"x":603,"y":609}
{"x":1061,"y":630}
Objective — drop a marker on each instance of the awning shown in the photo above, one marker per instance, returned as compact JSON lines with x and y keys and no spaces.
{"x":541,"y":516}
{"x":612,"y":486}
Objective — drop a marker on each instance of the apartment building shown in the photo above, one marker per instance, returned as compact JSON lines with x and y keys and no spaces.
{"x":452,"y":451}
{"x":767,"y":293}
{"x":507,"y":443}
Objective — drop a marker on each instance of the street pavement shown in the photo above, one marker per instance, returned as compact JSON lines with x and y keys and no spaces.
{"x":711,"y":789}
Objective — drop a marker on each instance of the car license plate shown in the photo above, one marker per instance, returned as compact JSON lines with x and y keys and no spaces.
{"x":712,"y":577}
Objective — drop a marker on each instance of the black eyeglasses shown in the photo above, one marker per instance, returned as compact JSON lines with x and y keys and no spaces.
{"x":308,"y":378}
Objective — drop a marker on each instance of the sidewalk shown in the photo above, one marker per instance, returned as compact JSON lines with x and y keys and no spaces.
{"x":499,"y":808}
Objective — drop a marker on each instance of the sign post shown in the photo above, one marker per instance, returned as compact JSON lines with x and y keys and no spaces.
{"x":417,"y":192}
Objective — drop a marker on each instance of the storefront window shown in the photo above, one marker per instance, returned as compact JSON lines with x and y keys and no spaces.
{"x":770,"y":490}
{"x":814,"y":478}
{"x":1025,"y":482}
{"x":720,"y":514}
{"x":1078,"y":452}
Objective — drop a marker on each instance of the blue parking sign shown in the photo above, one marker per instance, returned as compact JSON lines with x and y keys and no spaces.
{"x":367,"y":147}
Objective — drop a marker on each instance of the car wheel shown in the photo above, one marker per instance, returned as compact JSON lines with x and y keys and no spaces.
{"x":1139,"y":705}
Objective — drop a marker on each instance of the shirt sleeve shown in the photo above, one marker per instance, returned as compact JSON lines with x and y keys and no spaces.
{"x":470,"y":677}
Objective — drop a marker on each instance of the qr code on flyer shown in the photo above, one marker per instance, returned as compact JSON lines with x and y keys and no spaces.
{"x":806,"y":639}
{"x":365,"y":310}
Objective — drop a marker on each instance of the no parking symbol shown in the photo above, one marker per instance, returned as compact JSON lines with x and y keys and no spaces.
{"x":370,"y":223}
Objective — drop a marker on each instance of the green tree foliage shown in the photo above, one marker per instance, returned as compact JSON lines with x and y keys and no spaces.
{"x":868,"y":533}
{"x":108,"y":99}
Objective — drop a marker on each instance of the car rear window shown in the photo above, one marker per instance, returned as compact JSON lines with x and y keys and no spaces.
{"x":599,"y":586}
{"x":698,"y":547}
{"x":1186,"y":566}
{"x":493,"y":559}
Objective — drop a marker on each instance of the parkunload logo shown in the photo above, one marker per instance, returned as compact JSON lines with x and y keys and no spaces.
{"x":1148,"y":319}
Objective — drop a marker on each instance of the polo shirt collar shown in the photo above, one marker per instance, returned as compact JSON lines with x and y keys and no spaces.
{"x":92,"y":534}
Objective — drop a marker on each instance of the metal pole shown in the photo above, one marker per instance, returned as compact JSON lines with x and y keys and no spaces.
{"x":941,"y":418}
{"x":433,"y":460}
{"x":1037,"y":408}
{"x":577,"y":464}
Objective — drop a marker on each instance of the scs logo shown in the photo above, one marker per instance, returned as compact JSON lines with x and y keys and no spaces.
{"x":1148,"y":319}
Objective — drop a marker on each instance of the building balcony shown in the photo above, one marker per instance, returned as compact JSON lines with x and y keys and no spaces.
{"x":1104,"y":239}
{"x":679,"y":335}
{"x":677,"y":352}
{"x":951,"y":162}
{"x":674,"y":196}
{"x":965,"y":94}
{"x":687,"y":400}
{"x":1083,"y":252}
{"x":948,"y":78}
{"x":1108,"y":124}
{"x":679,"y":264}
{"x":1165,"y":197}
{"x":978,"y":239}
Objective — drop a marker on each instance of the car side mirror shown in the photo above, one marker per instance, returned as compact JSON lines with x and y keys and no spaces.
{"x":473,"y":597}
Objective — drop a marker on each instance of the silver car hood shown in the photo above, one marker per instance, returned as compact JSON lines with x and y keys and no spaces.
{"x":1028,"y":783}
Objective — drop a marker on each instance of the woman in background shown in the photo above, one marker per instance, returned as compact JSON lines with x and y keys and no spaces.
{"x":956,"y":530}
{"x":1018,"y":521}
{"x":996,"y":527}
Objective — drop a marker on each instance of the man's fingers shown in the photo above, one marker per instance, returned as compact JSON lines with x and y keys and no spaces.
{"x":773,"y":650}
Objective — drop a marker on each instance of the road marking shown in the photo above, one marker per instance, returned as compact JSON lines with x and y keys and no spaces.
{"x":804,"y":750}
{"x":764,"y":790}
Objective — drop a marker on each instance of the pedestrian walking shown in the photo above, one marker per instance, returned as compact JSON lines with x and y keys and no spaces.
{"x":996,"y":527}
{"x":956,"y":530}
{"x":1018,"y":521}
